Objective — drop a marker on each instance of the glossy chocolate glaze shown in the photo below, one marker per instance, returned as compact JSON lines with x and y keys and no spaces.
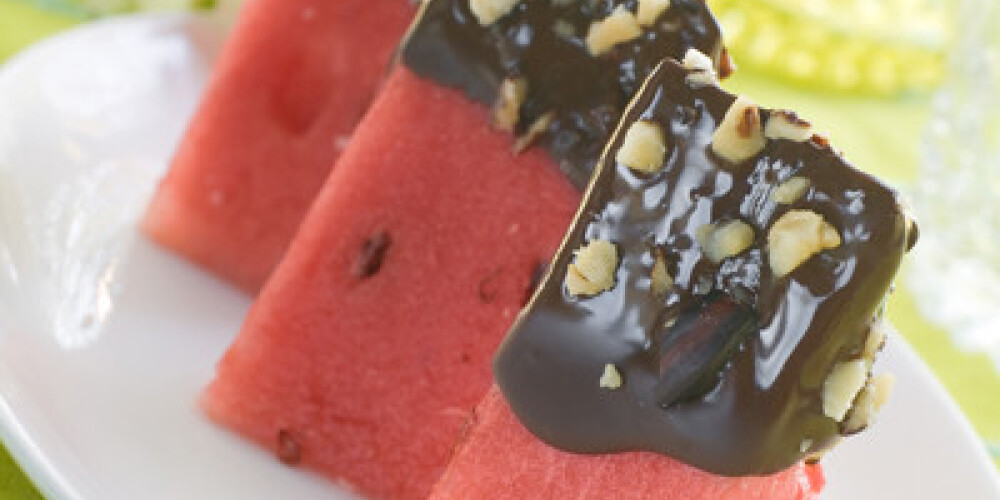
{"x":725,"y":371}
{"x":542,"y":41}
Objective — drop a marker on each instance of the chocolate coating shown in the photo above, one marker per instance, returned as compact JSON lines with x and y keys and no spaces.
{"x":542,"y":41}
{"x":724,"y":371}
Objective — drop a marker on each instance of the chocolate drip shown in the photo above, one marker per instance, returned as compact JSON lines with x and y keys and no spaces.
{"x":543,"y":43}
{"x":725,"y":370}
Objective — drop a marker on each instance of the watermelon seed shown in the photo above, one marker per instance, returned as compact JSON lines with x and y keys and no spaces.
{"x":488,"y":287}
{"x":372,"y":254}
{"x":289,"y":450}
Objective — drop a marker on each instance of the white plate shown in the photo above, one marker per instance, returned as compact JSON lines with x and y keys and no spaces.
{"x":98,"y":411}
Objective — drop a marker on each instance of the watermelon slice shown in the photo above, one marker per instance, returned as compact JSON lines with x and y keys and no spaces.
{"x":500,"y":459}
{"x":286,"y":93}
{"x":369,"y":347}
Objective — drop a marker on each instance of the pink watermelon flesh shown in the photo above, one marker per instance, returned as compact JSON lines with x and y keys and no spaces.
{"x":370,"y":381}
{"x":287,"y":91}
{"x":500,"y":459}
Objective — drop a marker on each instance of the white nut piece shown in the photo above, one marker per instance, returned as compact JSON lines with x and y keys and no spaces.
{"x":507,"y":109}
{"x":787,"y":125}
{"x":740,"y":135}
{"x":593,"y":271}
{"x":796,"y":237}
{"x":660,"y":279}
{"x":621,"y":26}
{"x":611,"y":378}
{"x":720,"y":241}
{"x":805,"y":445}
{"x":536,"y":129}
{"x":643,"y":148}
{"x":842,"y":386}
{"x":701,"y":68}
{"x":650,"y":10}
{"x":872,"y":398}
{"x":488,"y":11}
{"x":877,"y":335}
{"x":790,"y":191}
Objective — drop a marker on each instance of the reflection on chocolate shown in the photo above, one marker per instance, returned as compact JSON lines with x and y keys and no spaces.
{"x":543,"y":43}
{"x":724,"y":371}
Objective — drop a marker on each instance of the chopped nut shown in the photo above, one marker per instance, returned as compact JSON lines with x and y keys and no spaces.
{"x":643,"y":148}
{"x":701,"y":68}
{"x":806,"y":444}
{"x":611,"y":378}
{"x":507,"y":109}
{"x":696,"y":60}
{"x":841,"y":387}
{"x":726,"y":64}
{"x":820,"y":141}
{"x":872,"y":398}
{"x":660,"y":280}
{"x":650,"y":10}
{"x":816,"y":455}
{"x":790,"y":191}
{"x":536,"y":129}
{"x":620,"y":26}
{"x":797,"y":236}
{"x":488,"y":11}
{"x":593,"y":271}
{"x":720,"y":241}
{"x":739,"y":136}
{"x":877,"y":335}
{"x":787,"y":125}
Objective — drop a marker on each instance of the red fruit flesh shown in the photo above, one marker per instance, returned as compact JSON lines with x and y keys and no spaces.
{"x":500,"y":459}
{"x":286,"y":93}
{"x":370,"y":377}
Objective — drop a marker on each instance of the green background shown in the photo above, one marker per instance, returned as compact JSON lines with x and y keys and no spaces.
{"x":879,"y":133}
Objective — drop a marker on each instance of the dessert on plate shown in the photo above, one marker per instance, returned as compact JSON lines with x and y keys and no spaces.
{"x":709,"y":323}
{"x":368,"y":348}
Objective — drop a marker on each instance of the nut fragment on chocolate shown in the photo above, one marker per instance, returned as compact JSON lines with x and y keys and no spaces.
{"x":537,"y":128}
{"x":650,"y":10}
{"x":872,"y":398}
{"x":877,"y":335}
{"x":797,"y":236}
{"x":611,"y":378}
{"x":842,"y":386}
{"x":488,"y":11}
{"x":721,"y":241}
{"x":621,"y":26}
{"x":660,"y":280}
{"x":593,"y":271}
{"x":643,"y":148}
{"x":702,"y":70}
{"x":740,"y":135}
{"x":787,"y":125}
{"x":790,"y":191}
{"x":507,"y":109}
